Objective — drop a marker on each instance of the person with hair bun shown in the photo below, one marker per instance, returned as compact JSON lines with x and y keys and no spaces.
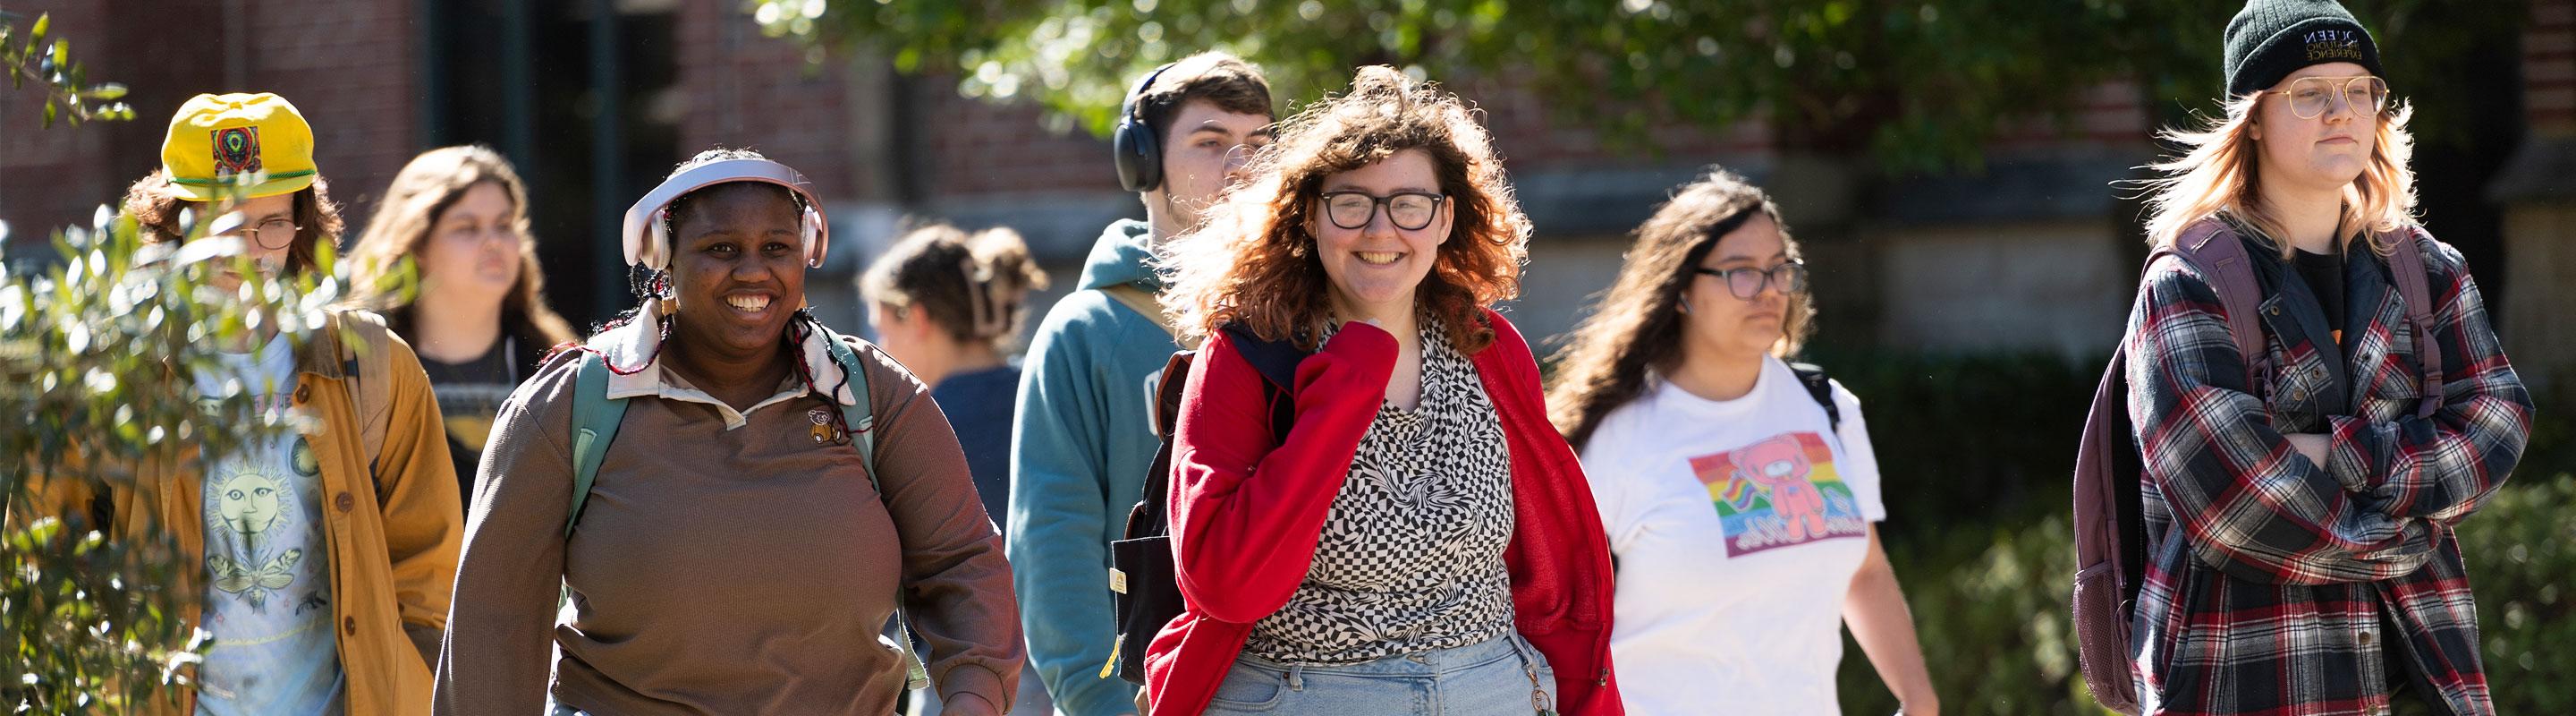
{"x":948,"y":305}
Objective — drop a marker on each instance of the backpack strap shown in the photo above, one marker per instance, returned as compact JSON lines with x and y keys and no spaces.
{"x":861,"y":420}
{"x":2406,"y":260}
{"x":1820,"y":387}
{"x":2214,"y":248}
{"x":595,"y":418}
{"x":859,"y":417}
{"x":1143,"y":303}
{"x":1276,"y":361}
{"x":364,"y":346}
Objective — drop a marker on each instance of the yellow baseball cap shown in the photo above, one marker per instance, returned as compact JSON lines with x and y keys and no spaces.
{"x":217,"y":136}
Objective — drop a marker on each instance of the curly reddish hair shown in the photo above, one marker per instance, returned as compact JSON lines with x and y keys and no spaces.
{"x":1254,"y":261}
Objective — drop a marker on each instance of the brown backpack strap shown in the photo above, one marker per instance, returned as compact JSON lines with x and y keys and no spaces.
{"x":2406,"y":262}
{"x":1138,"y":300}
{"x":366,"y":356}
{"x":2213,"y":247}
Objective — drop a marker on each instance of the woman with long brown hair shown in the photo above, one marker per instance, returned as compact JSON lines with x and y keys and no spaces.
{"x":479,"y":319}
{"x":1417,"y":539}
{"x":1739,"y":493}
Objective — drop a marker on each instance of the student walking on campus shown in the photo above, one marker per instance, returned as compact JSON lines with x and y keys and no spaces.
{"x":1739,"y":493}
{"x":2298,"y":499}
{"x":1421,"y":540}
{"x":730,"y":499}
{"x":326,"y":552}
{"x":1085,"y":429}
{"x":948,"y":305}
{"x":478,"y":318}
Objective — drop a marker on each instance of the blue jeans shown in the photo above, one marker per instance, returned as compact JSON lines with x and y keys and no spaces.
{"x":1480,"y":680}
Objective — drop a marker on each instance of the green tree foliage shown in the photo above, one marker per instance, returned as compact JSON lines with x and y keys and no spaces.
{"x":98,"y":355}
{"x":68,"y":94}
{"x":1918,"y":85}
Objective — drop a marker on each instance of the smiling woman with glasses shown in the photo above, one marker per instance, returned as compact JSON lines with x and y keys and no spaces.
{"x":1345,"y":529}
{"x":1739,"y":491}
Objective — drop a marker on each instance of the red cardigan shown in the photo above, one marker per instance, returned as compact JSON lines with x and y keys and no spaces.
{"x":1247,"y":513}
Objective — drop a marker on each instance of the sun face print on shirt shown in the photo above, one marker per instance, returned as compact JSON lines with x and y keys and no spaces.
{"x":1779,"y":492}
{"x":255,"y":503}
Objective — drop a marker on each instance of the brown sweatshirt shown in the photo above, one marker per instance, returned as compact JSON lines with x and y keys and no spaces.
{"x":726,"y":563}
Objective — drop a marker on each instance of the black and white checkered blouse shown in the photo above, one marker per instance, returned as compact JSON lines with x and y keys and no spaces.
{"x":1411,"y":558}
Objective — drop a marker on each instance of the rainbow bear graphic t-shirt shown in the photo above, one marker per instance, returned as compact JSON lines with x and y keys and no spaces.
{"x":1738,"y":525}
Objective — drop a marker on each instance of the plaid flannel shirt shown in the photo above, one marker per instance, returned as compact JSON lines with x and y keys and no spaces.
{"x":2279,"y":587}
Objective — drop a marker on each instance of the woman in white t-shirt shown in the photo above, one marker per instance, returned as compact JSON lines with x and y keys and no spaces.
{"x":1741,"y":512}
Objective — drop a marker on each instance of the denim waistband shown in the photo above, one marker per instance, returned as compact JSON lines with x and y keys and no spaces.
{"x":1423,"y":663}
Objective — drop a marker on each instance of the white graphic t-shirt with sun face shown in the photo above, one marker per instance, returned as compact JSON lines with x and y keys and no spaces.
{"x":268,"y":595}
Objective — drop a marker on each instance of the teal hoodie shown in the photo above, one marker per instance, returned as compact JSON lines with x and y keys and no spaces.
{"x":1079,"y":452}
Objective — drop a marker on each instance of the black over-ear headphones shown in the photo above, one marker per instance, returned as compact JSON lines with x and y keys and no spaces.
{"x":1138,"y":144}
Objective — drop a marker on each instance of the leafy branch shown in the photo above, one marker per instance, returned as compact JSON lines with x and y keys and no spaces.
{"x":68,"y":94}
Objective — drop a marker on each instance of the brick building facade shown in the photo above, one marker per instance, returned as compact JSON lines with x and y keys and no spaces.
{"x":595,"y":113}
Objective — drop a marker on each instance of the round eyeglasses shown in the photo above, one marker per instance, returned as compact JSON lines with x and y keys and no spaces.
{"x":2310,"y":96}
{"x":1748,"y":282}
{"x":1410,"y":211}
{"x":272,"y":234}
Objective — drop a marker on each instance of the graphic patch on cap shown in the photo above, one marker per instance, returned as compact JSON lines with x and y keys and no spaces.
{"x":2325,"y":45}
{"x":236,"y":151}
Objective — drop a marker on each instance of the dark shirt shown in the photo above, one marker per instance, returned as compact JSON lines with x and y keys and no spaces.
{"x":470,"y":395}
{"x":2324,"y":276}
{"x":979,"y":406}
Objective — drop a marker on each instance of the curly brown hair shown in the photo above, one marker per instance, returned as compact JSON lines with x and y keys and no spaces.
{"x":156,"y":203}
{"x":1254,"y":260}
{"x":1638,"y":324}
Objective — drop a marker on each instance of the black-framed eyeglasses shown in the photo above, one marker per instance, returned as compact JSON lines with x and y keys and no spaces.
{"x":2311,"y":96}
{"x":1410,"y":210}
{"x":1748,"y":282}
{"x":272,"y":234}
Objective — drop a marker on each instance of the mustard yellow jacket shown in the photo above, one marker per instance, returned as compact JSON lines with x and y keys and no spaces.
{"x":393,"y":536}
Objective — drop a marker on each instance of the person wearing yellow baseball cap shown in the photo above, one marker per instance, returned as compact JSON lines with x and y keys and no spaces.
{"x":253,"y":152}
{"x":324,"y":556}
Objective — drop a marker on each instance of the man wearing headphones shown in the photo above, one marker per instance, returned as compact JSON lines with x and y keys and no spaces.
{"x":1084,"y":435}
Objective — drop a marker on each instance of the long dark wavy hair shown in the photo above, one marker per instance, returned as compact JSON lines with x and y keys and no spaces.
{"x":1637,"y":327}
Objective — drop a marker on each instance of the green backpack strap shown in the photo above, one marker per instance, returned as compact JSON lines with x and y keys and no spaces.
{"x":595,"y":418}
{"x":594,"y":423}
{"x":861,"y":421}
